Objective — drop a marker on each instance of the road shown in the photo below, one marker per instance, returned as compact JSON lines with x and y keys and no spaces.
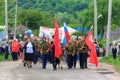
{"x":10,"y":70}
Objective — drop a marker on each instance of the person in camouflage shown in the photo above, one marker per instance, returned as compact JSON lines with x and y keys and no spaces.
{"x":44,"y":51}
{"x":83,"y":53}
{"x":75,"y":44}
{"x":70,"y":52}
{"x":37,"y":50}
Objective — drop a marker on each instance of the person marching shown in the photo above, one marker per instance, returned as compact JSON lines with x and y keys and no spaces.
{"x":15,"y":49}
{"x":69,"y":51}
{"x":75,"y":51}
{"x":55,"y":60}
{"x":83,"y":53}
{"x":44,"y":48}
{"x":37,"y":50}
{"x":29,"y":52}
{"x":21,"y":48}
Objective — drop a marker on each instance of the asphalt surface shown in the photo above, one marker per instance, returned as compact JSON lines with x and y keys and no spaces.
{"x":10,"y":70}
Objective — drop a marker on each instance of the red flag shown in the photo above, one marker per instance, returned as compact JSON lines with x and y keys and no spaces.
{"x":58,"y":50}
{"x":90,"y":43}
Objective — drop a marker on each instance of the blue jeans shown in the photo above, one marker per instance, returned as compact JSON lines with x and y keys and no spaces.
{"x":14,"y":56}
{"x":35,"y":57}
{"x":44,"y":60}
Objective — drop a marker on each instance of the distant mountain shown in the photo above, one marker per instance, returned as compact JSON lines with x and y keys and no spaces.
{"x":55,"y":5}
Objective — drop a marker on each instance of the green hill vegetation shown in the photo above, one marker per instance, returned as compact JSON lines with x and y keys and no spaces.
{"x":35,"y":13}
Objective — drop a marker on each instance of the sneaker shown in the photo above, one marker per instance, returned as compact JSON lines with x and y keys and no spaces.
{"x":44,"y":67}
{"x":54,"y":69}
{"x":24,"y":64}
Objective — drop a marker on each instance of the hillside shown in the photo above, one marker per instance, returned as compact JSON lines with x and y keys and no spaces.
{"x":35,"y":13}
{"x":55,"y":6}
{"x":64,"y":10}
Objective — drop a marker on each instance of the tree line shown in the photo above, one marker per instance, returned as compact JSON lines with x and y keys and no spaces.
{"x":74,"y":12}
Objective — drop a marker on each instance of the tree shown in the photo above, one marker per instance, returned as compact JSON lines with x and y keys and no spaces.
{"x":35,"y":19}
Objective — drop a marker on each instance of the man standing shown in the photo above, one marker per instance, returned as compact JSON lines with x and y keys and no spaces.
{"x":114,"y":51}
{"x":6,"y":51}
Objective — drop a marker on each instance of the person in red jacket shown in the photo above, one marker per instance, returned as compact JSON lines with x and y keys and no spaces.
{"x":15,"y":49}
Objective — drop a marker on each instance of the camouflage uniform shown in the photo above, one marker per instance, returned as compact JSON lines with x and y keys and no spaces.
{"x":70,"y":52}
{"x":37,"y":51}
{"x":75,"y":45}
{"x":44,"y":50}
{"x":83,"y":54}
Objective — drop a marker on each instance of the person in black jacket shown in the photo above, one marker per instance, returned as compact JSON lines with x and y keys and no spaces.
{"x":6,"y":51}
{"x":29,"y":52}
{"x":114,"y":51}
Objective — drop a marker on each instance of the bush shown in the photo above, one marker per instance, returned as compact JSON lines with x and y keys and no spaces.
{"x":102,"y":43}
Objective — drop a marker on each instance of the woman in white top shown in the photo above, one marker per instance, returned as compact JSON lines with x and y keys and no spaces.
{"x":29,"y":52}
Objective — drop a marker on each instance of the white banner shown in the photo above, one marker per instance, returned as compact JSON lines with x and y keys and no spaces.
{"x":49,"y":32}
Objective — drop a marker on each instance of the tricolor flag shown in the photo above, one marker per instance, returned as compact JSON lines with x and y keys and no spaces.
{"x":65,"y":36}
{"x":90,"y":43}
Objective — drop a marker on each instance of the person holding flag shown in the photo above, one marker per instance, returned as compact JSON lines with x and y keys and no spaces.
{"x":83,"y":53}
{"x":90,"y":43}
{"x":57,"y":44}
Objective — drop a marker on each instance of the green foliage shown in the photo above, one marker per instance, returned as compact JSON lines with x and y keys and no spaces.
{"x":114,"y":26}
{"x":111,"y":61}
{"x":1,"y":13}
{"x":74,"y":12}
{"x":33,"y":18}
{"x":102,"y":43}
{"x":36,"y":32}
{"x":77,"y":33}
{"x":2,"y":58}
{"x":22,"y":32}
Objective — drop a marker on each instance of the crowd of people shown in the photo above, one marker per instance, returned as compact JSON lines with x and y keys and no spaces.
{"x":30,"y":50}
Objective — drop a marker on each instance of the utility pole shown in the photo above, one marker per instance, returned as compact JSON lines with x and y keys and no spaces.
{"x":108,"y":27}
{"x":15,"y":20}
{"x":6,"y":21}
{"x":95,"y":19}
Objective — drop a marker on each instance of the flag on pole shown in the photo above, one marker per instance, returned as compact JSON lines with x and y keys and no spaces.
{"x":63,"y":39}
{"x":58,"y":50}
{"x":65,"y":36}
{"x":90,"y":43}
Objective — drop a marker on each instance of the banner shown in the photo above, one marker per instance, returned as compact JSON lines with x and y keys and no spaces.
{"x":49,"y":32}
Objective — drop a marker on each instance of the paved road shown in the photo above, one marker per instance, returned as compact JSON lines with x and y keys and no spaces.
{"x":15,"y":71}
